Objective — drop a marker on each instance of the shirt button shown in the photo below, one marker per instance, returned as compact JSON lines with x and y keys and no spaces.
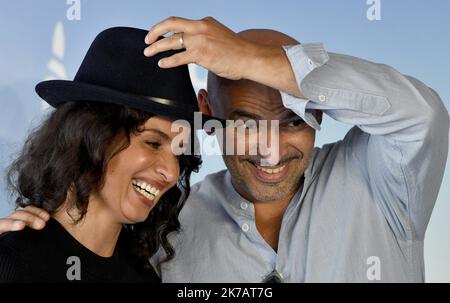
{"x":244,"y":205}
{"x":245,"y":227}
{"x":322,"y":98}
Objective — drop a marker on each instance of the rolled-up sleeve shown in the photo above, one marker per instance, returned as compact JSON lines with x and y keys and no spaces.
{"x":304,"y":59}
{"x":400,"y":139}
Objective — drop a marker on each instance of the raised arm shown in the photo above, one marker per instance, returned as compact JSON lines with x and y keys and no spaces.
{"x":218,"y":49}
{"x":400,"y":138}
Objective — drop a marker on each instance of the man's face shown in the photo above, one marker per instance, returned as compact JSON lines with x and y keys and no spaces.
{"x":247,"y":100}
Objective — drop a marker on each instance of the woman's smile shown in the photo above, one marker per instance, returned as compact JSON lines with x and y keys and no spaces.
{"x":149,"y":192}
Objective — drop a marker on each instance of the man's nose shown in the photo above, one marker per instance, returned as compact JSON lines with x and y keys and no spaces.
{"x":269,"y":145}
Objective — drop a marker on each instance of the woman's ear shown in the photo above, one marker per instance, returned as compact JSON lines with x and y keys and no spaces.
{"x":203,"y":102}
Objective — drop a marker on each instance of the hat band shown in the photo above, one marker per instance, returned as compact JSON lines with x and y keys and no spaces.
{"x":171,"y":103}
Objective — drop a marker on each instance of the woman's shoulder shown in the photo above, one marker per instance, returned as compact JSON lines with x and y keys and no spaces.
{"x":25,"y":246}
{"x":20,"y":241}
{"x":13,"y":267}
{"x":135,"y":270}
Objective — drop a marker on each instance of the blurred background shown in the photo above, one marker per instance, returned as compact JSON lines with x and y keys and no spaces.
{"x":47,"y":39}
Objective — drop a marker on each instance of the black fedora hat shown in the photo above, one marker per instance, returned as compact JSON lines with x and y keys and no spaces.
{"x":115,"y":70}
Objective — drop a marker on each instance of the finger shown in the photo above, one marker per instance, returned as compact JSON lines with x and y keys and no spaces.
{"x":172,"y":42}
{"x":38,"y":212}
{"x":176,"y":60}
{"x":169,"y":25}
{"x":8,"y":224}
{"x":29,"y":219}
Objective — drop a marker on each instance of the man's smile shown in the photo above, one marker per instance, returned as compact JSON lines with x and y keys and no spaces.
{"x":270,"y":174}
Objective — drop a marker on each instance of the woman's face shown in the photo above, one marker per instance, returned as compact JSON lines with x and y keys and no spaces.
{"x":139,"y":175}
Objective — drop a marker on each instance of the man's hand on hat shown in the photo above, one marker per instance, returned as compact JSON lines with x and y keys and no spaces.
{"x":206,"y":42}
{"x":212,"y":45}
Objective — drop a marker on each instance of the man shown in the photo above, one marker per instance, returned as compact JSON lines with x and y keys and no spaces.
{"x":352,"y":211}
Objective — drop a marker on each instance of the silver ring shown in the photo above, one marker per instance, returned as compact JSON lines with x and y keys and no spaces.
{"x":181,"y":40}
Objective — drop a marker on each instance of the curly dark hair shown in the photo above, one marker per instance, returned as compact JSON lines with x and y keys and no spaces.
{"x":68,"y":151}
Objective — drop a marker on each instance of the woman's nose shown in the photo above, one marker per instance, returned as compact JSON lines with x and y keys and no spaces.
{"x":168,"y":168}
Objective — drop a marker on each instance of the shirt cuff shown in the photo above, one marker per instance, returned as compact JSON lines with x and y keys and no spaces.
{"x":304,"y":58}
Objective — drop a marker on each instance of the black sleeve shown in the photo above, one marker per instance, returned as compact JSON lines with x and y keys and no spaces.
{"x":12,"y":267}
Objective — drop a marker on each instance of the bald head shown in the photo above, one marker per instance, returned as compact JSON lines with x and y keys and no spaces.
{"x":266,"y":37}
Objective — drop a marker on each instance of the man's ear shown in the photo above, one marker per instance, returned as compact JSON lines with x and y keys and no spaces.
{"x":203,"y":102}
{"x":318,"y":114}
{"x":203,"y":105}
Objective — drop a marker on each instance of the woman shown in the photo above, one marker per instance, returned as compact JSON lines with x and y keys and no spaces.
{"x":102,"y":165}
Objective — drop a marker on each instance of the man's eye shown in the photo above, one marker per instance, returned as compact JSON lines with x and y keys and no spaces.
{"x":296,"y":122}
{"x":251,"y":124}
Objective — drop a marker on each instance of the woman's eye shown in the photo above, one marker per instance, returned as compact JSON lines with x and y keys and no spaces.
{"x":155,"y":145}
{"x":296,"y":122}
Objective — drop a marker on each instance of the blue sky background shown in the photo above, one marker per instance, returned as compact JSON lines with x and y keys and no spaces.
{"x":412,"y":36}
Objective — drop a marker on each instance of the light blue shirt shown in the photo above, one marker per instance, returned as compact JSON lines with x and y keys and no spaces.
{"x":366,"y":200}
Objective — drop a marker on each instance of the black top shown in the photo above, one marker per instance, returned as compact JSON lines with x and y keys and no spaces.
{"x":53,"y":255}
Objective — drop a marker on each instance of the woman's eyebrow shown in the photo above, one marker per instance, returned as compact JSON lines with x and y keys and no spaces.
{"x":162,"y":134}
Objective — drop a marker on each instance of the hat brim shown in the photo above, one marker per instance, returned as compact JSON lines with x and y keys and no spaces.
{"x":57,"y":92}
